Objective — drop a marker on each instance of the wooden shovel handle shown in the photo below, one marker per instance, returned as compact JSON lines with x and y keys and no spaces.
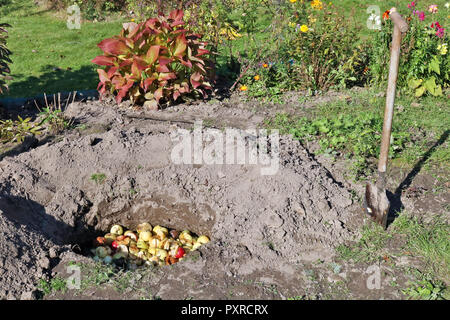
{"x":399,"y":25}
{"x":398,"y":20}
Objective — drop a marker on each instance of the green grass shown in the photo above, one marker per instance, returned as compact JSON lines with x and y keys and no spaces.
{"x":351,"y":128}
{"x":431,"y":242}
{"x":56,"y":284}
{"x":98,"y":177}
{"x":47,"y":56}
{"x":371,"y":247}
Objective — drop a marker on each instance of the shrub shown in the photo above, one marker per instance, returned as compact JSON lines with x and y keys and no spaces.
{"x":424,"y":63}
{"x":153,"y":61}
{"x":4,"y":56}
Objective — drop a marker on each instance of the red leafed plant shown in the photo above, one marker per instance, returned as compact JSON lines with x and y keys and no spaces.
{"x":154,"y":60}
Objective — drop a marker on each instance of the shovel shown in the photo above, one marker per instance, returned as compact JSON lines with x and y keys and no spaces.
{"x":376,"y":203}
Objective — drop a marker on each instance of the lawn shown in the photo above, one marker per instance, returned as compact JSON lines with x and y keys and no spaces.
{"x":49,"y":57}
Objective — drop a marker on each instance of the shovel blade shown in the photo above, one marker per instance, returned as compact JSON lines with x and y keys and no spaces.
{"x":376,"y":204}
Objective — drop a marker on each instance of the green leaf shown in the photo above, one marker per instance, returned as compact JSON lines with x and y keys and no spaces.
{"x":430,"y":84}
{"x":420,"y":91}
{"x":414,"y":83}
{"x":434,"y":65}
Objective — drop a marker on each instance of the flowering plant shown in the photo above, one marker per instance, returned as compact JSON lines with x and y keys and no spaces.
{"x":316,"y":51}
{"x":423,"y":63}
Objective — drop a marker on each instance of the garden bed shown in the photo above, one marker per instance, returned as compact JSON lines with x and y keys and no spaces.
{"x":53,"y":202}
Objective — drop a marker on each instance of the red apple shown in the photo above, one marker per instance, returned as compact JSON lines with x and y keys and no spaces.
{"x":180,"y":253}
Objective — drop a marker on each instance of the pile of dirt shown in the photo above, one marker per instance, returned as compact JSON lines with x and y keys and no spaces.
{"x":259,"y":225}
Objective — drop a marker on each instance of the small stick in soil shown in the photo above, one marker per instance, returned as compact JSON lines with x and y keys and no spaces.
{"x":35,"y":103}
{"x":45,"y":98}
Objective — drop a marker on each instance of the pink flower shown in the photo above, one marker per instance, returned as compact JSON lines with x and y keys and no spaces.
{"x":440,"y":32}
{"x":411,"y":5}
{"x":433,"y":8}
{"x":420,"y":15}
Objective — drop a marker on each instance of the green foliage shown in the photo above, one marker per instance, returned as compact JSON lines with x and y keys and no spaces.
{"x":424,"y":63}
{"x":369,"y":248}
{"x":326,"y":54}
{"x":425,"y":290}
{"x":96,"y":274}
{"x":430,"y":241}
{"x":4,"y":56}
{"x":53,"y":118}
{"x":56,"y":284}
{"x":98,"y":177}
{"x":17,"y":130}
{"x":356,"y":136}
{"x":315,"y":49}
{"x":153,"y":60}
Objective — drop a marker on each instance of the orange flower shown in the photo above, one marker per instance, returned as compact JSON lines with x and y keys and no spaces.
{"x":386,"y":15}
{"x":265,"y":65}
{"x":256,"y":77}
{"x":243,"y":88}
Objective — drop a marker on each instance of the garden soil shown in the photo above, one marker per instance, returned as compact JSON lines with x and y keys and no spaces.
{"x":264,"y":228}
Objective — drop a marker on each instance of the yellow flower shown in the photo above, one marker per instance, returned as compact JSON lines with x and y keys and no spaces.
{"x":243,"y":88}
{"x":257,"y":77}
{"x":132,"y":20}
{"x":265,"y":65}
{"x":304,"y":28}
{"x":317,"y":4}
{"x":293,"y":1}
{"x":443,"y":49}
{"x":292,"y":24}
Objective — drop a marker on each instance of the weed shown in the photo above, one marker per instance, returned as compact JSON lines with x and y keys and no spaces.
{"x":369,"y":248}
{"x":81,"y":127}
{"x":56,"y":284}
{"x":98,"y":178}
{"x":53,"y":116}
{"x":430,"y":241}
{"x":425,"y":290}
{"x":17,"y":130}
{"x":96,"y":274}
{"x":122,"y":281}
{"x":270,"y":245}
{"x":357,"y":136}
{"x":351,"y":129}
